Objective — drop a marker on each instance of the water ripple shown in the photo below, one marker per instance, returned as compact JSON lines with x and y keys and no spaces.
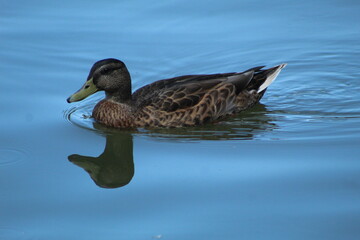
{"x":80,"y":114}
{"x":10,"y":156}
{"x":253,"y":124}
{"x":308,"y":98}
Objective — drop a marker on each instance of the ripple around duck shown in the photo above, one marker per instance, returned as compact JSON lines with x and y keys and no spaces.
{"x":253,"y":124}
{"x":318,"y":94}
{"x":80,"y":114}
{"x":258,"y":123}
{"x":9,"y":156}
{"x":310,"y":100}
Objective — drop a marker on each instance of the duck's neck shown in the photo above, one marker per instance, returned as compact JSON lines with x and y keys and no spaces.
{"x":120,"y":96}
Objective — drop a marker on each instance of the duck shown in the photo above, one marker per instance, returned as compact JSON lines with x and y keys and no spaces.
{"x":183,"y":101}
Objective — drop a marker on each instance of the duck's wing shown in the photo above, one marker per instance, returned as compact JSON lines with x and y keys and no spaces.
{"x":186,"y":91}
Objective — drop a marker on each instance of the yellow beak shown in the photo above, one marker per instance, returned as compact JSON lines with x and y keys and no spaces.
{"x":85,"y":91}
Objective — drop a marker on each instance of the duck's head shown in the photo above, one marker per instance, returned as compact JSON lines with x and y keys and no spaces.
{"x":109,"y":75}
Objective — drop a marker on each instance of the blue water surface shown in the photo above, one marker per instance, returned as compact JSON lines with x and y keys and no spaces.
{"x":286,"y":169}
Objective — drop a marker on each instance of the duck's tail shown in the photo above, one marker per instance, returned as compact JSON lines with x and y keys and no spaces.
{"x":263,"y":78}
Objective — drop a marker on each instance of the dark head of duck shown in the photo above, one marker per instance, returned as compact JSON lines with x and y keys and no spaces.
{"x":109,"y":75}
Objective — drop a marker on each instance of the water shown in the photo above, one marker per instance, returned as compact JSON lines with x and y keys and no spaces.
{"x":286,"y":169}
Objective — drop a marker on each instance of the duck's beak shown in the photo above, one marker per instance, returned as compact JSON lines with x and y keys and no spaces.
{"x":85,"y":91}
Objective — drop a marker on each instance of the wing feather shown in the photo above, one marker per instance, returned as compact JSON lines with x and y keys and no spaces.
{"x":186,"y":91}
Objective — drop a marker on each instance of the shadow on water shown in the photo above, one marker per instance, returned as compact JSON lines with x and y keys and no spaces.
{"x":114,"y":168}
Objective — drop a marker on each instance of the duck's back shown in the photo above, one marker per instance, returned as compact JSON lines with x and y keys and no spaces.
{"x":197,"y":99}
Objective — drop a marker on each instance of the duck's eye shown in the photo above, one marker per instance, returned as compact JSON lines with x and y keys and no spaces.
{"x":106,"y":70}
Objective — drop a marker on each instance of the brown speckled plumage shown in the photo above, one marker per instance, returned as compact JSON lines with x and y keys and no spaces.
{"x":176,"y":102}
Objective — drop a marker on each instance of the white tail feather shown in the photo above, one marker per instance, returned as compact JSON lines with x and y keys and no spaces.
{"x":271,"y":78}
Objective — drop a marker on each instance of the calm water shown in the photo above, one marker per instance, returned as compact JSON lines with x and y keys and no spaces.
{"x":287,"y":169}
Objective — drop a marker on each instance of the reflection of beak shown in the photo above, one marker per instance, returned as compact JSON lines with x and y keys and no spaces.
{"x":85,"y":162}
{"x":85,"y":91}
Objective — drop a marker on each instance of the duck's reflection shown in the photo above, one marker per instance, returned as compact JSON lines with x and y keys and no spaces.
{"x":115,"y":166}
